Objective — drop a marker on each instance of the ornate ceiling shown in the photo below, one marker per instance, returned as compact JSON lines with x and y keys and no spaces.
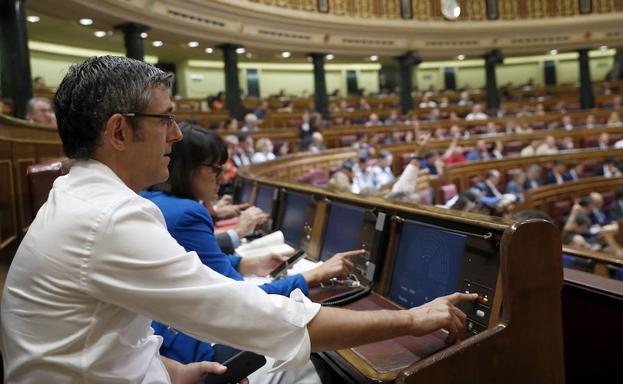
{"x":351,"y":29}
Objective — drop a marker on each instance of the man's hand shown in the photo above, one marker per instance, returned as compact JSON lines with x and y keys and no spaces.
{"x":192,"y":373}
{"x":261,"y":265}
{"x":249,"y":220}
{"x":224,"y":201}
{"x":442,"y":313}
{"x":337,"y":266}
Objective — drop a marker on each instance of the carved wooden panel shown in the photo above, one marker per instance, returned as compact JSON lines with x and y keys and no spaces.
{"x":431,"y":10}
{"x":8,"y":222}
{"x":23,"y":193}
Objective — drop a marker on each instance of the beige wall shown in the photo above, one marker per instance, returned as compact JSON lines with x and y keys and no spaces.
{"x":293,"y":81}
{"x":427,"y":77}
{"x":519,"y":73}
{"x":202,"y":78}
{"x":472,"y":76}
{"x":51,"y":66}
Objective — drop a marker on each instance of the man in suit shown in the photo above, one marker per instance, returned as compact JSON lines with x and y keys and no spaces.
{"x":489,"y":186}
{"x":597,"y":214}
{"x":554,"y":176}
{"x":615,"y":209}
{"x":608,"y":169}
{"x":574,"y":172}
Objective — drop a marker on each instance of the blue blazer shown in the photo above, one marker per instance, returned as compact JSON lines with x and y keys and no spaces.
{"x":191,"y":225}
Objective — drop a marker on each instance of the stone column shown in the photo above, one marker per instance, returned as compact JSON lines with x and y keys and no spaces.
{"x":321,"y":101}
{"x":407,"y":62}
{"x":233,"y":103}
{"x":587,"y":100}
{"x":492,"y":59}
{"x":14,"y":56}
{"x":132,"y":39}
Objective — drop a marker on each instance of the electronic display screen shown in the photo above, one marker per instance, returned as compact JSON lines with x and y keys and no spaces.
{"x":427,"y":264}
{"x":264,"y":198}
{"x":342,"y":231}
{"x":293,"y":220}
{"x":245,"y":193}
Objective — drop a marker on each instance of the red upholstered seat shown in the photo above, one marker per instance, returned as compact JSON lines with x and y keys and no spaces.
{"x":41,"y":177}
{"x":560,"y":209}
{"x":315,"y":176}
{"x":448,"y":191}
{"x":347,"y":140}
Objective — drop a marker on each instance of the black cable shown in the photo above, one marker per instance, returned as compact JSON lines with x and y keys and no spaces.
{"x":346,"y":297}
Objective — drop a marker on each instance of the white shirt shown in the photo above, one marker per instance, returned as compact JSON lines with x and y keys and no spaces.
{"x":260,"y":157}
{"x":98,"y":264}
{"x":476,"y":116}
{"x":407,"y":181}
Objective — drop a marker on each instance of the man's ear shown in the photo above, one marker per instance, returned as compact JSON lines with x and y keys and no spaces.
{"x":117,"y":131}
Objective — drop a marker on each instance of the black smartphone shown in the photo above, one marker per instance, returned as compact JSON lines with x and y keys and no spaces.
{"x":238,"y":366}
{"x":286,"y":264}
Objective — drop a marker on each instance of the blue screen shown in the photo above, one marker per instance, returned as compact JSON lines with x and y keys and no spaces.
{"x":293,"y":221}
{"x":427,"y":265}
{"x":245,"y":195}
{"x":342,"y":230}
{"x":264,"y":198}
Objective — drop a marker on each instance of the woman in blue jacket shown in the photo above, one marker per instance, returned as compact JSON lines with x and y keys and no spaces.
{"x":195,"y":174}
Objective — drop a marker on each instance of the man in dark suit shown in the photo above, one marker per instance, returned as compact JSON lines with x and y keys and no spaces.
{"x":574,"y":172}
{"x":598,"y":215}
{"x":489,"y":186}
{"x":554,"y":176}
{"x":615,"y":209}
{"x":608,"y":169}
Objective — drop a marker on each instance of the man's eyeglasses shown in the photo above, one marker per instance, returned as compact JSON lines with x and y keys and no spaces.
{"x":168,"y":118}
{"x":217,"y":169}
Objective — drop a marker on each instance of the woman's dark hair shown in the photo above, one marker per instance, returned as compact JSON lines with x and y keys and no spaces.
{"x":198,"y":146}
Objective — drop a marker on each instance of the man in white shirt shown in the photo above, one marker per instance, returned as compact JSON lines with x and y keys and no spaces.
{"x":98,"y":264}
{"x":476,"y":113}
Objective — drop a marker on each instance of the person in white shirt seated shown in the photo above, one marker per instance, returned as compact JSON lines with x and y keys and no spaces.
{"x":567,"y":123}
{"x":614,"y":120}
{"x":373,"y":121}
{"x":530,"y":150}
{"x":80,"y":294}
{"x":464,"y":99}
{"x":476,"y":113}
{"x":263,"y":151}
{"x":603,"y":142}
{"x":363,"y":177}
{"x":427,"y":102}
{"x":383,"y":173}
{"x":251,"y":123}
{"x":548,"y":147}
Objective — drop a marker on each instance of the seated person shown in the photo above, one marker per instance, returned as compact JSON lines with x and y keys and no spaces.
{"x":491,"y":195}
{"x":608,"y":169}
{"x":39,"y":110}
{"x":555,"y":175}
{"x":516,"y":185}
{"x":196,"y":177}
{"x":615,"y":209}
{"x":342,"y":179}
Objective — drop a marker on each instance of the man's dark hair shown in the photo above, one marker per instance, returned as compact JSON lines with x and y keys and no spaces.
{"x":585,"y":201}
{"x":618,"y":195}
{"x":198,"y":147}
{"x":98,"y":88}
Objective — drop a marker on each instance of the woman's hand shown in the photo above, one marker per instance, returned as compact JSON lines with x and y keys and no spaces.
{"x":337,"y":266}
